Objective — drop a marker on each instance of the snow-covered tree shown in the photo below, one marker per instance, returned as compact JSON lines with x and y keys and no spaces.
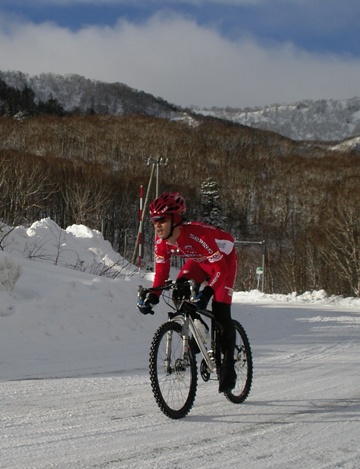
{"x":211,"y":207}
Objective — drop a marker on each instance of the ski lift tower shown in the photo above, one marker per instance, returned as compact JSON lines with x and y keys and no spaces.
{"x":155,"y":163}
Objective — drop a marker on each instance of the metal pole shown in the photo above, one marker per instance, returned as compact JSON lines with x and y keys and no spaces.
{"x":125,"y":243}
{"x":156,"y":163}
{"x":263,"y":244}
{"x":159,"y":161}
{"x":157,"y":178}
{"x":263,"y":266}
{"x":142,"y":221}
{"x":140,"y":226}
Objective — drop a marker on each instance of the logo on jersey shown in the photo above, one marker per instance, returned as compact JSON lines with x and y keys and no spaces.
{"x":160,"y":259}
{"x":202,"y":242}
{"x":215,"y":279}
{"x":215,"y":257}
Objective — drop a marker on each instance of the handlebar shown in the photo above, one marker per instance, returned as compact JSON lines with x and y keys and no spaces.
{"x":143,"y":291}
{"x":169,"y":285}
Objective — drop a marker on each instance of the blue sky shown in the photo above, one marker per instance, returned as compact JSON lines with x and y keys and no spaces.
{"x":192,"y":52}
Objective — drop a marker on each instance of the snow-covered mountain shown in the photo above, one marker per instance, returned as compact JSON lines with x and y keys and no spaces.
{"x":324,"y":120}
{"x":78,"y":94}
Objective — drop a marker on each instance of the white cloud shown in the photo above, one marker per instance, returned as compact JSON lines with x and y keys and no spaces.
{"x":180,"y":61}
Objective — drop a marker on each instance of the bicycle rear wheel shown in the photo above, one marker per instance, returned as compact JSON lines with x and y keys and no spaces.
{"x":173,"y":377}
{"x":243,"y":366}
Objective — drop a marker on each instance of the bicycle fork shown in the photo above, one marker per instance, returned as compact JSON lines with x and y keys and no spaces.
{"x":180,"y":362}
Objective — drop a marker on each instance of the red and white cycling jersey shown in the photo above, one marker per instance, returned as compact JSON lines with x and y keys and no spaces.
{"x":210,"y":247}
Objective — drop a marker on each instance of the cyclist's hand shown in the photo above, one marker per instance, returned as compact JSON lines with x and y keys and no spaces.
{"x":143,"y":308}
{"x":146,"y":307}
{"x":203,"y":297}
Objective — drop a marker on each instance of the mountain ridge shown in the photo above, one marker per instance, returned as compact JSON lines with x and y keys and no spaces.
{"x":326,"y":120}
{"x":76,"y":93}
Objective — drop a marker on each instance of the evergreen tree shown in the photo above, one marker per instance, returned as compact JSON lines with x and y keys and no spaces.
{"x":14,"y":101}
{"x":212,"y":211}
{"x":51,"y":106}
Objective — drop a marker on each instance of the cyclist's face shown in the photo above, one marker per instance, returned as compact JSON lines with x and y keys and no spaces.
{"x":162,"y":227}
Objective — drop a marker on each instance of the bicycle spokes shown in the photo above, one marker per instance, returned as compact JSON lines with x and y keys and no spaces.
{"x":173,"y":372}
{"x":243,"y":366}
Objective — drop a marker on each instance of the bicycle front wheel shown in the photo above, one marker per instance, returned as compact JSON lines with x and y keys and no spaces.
{"x":173,"y":374}
{"x":243,"y":366}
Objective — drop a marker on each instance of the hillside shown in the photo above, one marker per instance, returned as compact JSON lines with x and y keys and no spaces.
{"x":300,"y":199}
{"x":76,"y":94}
{"x":325,"y":120}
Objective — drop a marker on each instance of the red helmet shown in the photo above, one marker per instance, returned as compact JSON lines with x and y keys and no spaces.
{"x":168,"y":203}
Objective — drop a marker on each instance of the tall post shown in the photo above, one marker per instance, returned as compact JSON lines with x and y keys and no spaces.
{"x":157,"y":162}
{"x":142,"y":220}
{"x":157,"y":180}
{"x":140,"y":226}
{"x":263,"y":265}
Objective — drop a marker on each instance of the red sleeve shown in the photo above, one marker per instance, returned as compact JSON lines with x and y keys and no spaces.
{"x":162,"y":263}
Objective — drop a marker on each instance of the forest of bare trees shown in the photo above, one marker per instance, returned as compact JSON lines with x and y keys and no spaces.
{"x":302,"y":199}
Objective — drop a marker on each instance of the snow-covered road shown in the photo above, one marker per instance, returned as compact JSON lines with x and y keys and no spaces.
{"x":303,"y":411}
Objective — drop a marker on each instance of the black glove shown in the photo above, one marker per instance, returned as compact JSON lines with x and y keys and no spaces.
{"x":202,"y":299}
{"x":146,"y":307}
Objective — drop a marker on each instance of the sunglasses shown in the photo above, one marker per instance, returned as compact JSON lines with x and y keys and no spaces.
{"x":160,"y":220}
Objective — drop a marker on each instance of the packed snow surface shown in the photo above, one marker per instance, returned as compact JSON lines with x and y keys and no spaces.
{"x":74,"y":385}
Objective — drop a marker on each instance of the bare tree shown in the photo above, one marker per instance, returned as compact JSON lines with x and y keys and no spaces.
{"x":341,"y":250}
{"x":87,"y":192}
{"x":25,"y":184}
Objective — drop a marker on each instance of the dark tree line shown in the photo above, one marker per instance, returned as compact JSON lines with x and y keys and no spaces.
{"x":15,"y":102}
{"x":302,"y":199}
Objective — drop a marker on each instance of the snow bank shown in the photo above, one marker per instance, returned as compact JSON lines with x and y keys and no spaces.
{"x":10,"y":271}
{"x":310,"y":297}
{"x":83,"y":249}
{"x":77,"y":247}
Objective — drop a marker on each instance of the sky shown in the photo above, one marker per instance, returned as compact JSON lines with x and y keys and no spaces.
{"x":237,"y":53}
{"x":74,"y":380}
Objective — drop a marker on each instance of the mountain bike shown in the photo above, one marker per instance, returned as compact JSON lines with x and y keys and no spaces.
{"x":172,"y":361}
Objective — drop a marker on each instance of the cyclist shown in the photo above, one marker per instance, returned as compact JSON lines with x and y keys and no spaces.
{"x":211,"y":257}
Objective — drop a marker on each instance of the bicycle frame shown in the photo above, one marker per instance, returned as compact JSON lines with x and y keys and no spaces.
{"x":188,"y":326}
{"x":182,"y":315}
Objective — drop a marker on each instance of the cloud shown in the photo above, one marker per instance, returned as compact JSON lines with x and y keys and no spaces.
{"x":174,"y":58}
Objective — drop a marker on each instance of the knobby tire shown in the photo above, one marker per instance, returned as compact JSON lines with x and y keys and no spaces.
{"x":173,"y":383}
{"x":243,"y":366}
